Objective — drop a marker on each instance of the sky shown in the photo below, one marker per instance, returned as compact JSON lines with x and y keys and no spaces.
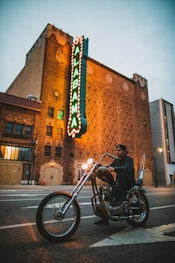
{"x":129,"y":36}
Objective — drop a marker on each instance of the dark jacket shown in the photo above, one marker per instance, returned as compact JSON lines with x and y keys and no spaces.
{"x":125,"y":171}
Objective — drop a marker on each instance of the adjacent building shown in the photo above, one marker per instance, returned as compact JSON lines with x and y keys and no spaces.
{"x":81,"y":108}
{"x":163,"y":140}
{"x":19,"y":126}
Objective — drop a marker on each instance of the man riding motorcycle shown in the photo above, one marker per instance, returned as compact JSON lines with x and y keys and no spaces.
{"x":122,"y":169}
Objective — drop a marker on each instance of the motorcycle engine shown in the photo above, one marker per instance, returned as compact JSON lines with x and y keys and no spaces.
{"x":116,"y":210}
{"x":106,"y":192}
{"x":107,"y":197}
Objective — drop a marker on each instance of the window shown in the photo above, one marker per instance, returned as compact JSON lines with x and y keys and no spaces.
{"x":9,"y":127}
{"x":58,"y":151}
{"x":50,"y":112}
{"x":18,"y":129}
{"x":169,"y":131}
{"x":8,"y":152}
{"x":49,"y":131}
{"x":60,"y":115}
{"x":28,"y":130}
{"x":47,"y":151}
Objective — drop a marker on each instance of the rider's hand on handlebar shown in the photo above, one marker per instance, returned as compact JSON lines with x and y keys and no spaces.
{"x":111,"y":169}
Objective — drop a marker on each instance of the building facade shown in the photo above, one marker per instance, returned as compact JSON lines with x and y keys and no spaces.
{"x":112,"y":107}
{"x":19,"y":125}
{"x":163,"y":140}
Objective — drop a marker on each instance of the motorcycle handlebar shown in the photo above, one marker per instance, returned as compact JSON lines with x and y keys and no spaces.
{"x":109,"y":154}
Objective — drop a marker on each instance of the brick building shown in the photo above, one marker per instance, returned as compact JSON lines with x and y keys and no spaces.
{"x":19,"y":119}
{"x":115,"y":109}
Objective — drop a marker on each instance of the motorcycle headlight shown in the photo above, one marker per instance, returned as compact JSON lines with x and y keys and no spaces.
{"x":90,"y":161}
{"x":87,"y":165}
{"x":84,"y":166}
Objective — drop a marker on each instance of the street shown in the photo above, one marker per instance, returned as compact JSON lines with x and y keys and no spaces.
{"x":20,"y":240}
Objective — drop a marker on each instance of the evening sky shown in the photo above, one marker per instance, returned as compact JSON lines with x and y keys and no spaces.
{"x":129,"y":36}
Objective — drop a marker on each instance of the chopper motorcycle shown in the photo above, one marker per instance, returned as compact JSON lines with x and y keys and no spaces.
{"x":58,"y":215}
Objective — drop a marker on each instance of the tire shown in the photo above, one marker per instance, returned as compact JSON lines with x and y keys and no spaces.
{"x":52,"y":224}
{"x":141,"y":219}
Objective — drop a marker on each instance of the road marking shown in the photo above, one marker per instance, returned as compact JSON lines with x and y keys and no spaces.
{"x":128,"y":236}
{"x":84,"y":217}
{"x":132,"y":235}
{"x":18,"y":200}
{"x":17,"y":225}
{"x":32,"y":224}
{"x":160,"y":207}
{"x":81,"y":204}
{"x":36,"y":206}
{"x":89,"y":203}
{"x":28,"y":199}
{"x":18,"y":195}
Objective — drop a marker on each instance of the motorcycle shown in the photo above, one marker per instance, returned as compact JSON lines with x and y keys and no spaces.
{"x":58,"y":214}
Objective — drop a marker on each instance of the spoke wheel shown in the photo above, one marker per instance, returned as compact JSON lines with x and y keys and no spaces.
{"x":52,"y":224}
{"x":141,"y":218}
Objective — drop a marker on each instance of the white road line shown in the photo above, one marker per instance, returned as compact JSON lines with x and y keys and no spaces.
{"x":160,"y":207}
{"x":18,"y":195}
{"x":28,"y":199}
{"x":127,"y":236}
{"x":84,"y":217}
{"x":32,"y":224}
{"x":17,"y":225}
{"x":36,"y":206}
{"x":18,"y":200}
{"x":132,"y":235}
{"x":89,"y":203}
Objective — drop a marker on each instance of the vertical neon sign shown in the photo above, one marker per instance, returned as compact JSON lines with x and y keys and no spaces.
{"x":77,"y":120}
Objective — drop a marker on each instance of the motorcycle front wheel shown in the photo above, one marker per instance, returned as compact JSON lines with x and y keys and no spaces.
{"x":141,"y":218}
{"x":52,"y":224}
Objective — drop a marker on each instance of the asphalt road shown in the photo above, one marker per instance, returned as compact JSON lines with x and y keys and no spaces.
{"x":20,"y":240}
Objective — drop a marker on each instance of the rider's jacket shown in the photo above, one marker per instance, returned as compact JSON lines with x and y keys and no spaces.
{"x":124,"y":169}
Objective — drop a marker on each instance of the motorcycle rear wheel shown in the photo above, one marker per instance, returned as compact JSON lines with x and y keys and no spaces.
{"x":52,"y":224}
{"x":141,"y":219}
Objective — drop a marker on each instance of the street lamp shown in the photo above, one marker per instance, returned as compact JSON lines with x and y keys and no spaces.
{"x":159,"y":149}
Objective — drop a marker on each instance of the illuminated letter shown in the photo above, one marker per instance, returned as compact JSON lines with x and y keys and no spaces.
{"x":73,"y":123}
{"x":76,"y":62}
{"x":74,"y":97}
{"x":77,"y":50}
{"x":75,"y":83}
{"x":75,"y":73}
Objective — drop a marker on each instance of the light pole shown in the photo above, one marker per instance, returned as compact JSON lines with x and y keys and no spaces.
{"x":159,"y":149}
